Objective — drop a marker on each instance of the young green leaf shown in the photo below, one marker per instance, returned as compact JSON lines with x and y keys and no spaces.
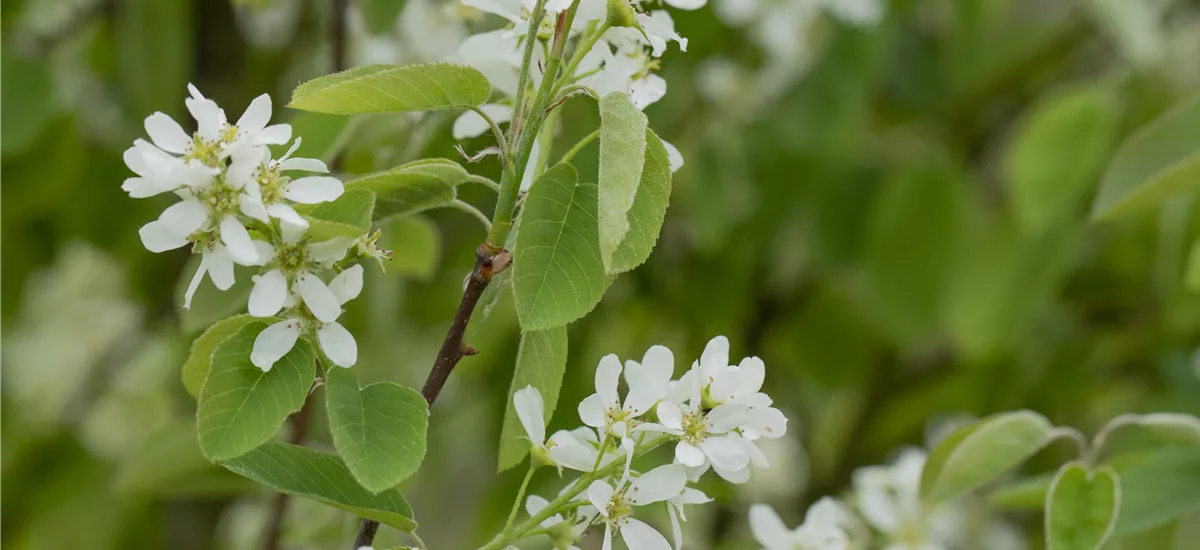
{"x":541,"y":362}
{"x":416,"y":246}
{"x":353,"y":208}
{"x":379,"y":430}
{"x":195,"y":369}
{"x":1081,"y":507}
{"x":1159,"y":489}
{"x":1160,"y":159}
{"x":387,"y":88}
{"x":322,"y":477}
{"x":557,"y":273}
{"x":413,"y":187}
{"x":1026,"y":494}
{"x":979,"y":452}
{"x":648,"y":210}
{"x":241,"y":406}
{"x":622,"y":157}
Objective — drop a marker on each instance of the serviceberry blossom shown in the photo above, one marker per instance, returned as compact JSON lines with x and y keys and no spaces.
{"x":576,"y":449}
{"x":616,"y":505}
{"x":324,"y":304}
{"x":647,"y":381}
{"x":676,"y":512}
{"x":268,"y":191}
{"x":821,"y":530}
{"x":888,"y":498}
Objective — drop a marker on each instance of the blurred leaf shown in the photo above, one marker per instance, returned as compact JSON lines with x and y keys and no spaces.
{"x":322,"y":477}
{"x":1159,"y":489}
{"x":1081,"y":507}
{"x":195,"y":369}
{"x":169,"y":462}
{"x":1192,"y":279}
{"x":1172,"y":427}
{"x":557,"y":273}
{"x":347,"y":216}
{"x":154,"y":44}
{"x":1136,"y":27}
{"x":380,"y":15}
{"x":648,"y":210}
{"x":1026,"y":494}
{"x":622,"y":156}
{"x":416,"y":246}
{"x":1055,"y":156}
{"x":324,"y":136}
{"x":241,"y":407}
{"x":210,"y":304}
{"x":1160,"y":159}
{"x":541,"y":362}
{"x":378,"y":430}
{"x":413,"y":187}
{"x":386,"y":88}
{"x":28,"y":102}
{"x":981,"y":451}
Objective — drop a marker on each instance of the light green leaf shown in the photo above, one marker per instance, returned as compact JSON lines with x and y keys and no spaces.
{"x":1173,"y":427}
{"x":541,"y":362}
{"x":1160,"y":159}
{"x":648,"y":210}
{"x":981,"y":451}
{"x":322,"y":477}
{"x":1026,"y":494}
{"x":416,"y":246}
{"x":1159,"y":489}
{"x":347,"y":216}
{"x":324,"y":135}
{"x":1081,"y":507}
{"x":413,"y":187}
{"x":379,"y":430}
{"x":1057,"y":153}
{"x":195,"y":369}
{"x":557,"y":273}
{"x":388,"y":88}
{"x":622,"y":156}
{"x":241,"y":406}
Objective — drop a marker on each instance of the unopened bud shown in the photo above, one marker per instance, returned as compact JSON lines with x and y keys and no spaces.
{"x":620,"y":14}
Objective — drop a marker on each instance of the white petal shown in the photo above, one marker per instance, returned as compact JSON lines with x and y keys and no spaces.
{"x":725,"y":452}
{"x":220,"y":267}
{"x":210,"y":118}
{"x":277,"y":134}
{"x":287,"y":215}
{"x":768,"y":529}
{"x":607,"y":545}
{"x":639,"y":536}
{"x":274,"y":342}
{"x":647,"y":90}
{"x":319,"y":299}
{"x":769,"y":422}
{"x":733,"y":476}
{"x":676,"y":530}
{"x":727,"y":416}
{"x":725,"y":384}
{"x":573,"y":456}
{"x":347,"y":284}
{"x":338,"y":344}
{"x":757,"y":458}
{"x":156,"y":237}
{"x":140,"y":188}
{"x":535,"y":504}
{"x":194,"y":284}
{"x":329,"y":251}
{"x":313,"y":189}
{"x":715,"y":357}
{"x":237,"y":240}
{"x":253,"y":207}
{"x":753,"y":372}
{"x":674,"y":157}
{"x":257,"y":115}
{"x":591,"y":411}
{"x":269,"y":293}
{"x":266,"y":252}
{"x":608,"y":374}
{"x":183,"y":218}
{"x":528,"y":403}
{"x":304,"y":164}
{"x":657,"y":485}
{"x":167,"y":134}
{"x":598,"y":494}
{"x":689,"y":455}
{"x":688,"y":5}
{"x":670,"y":415}
{"x":506,"y":9}
{"x":470,"y":124}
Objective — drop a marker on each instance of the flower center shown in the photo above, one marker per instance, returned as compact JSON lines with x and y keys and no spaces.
{"x":220,"y":198}
{"x":208,"y":153}
{"x":618,"y":508}
{"x":694,"y":428}
{"x":290,"y":258}
{"x":271,"y":184}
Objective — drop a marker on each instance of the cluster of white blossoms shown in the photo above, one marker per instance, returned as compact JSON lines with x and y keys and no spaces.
{"x":239,"y":207}
{"x":713,"y":414}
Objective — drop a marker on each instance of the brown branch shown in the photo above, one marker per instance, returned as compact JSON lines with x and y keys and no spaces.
{"x":488,"y":262}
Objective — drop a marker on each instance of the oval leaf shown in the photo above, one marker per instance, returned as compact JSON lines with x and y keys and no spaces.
{"x":979,"y":452}
{"x":1158,"y":160}
{"x":557,"y":273}
{"x":387,"y":88}
{"x":322,"y":477}
{"x":241,"y":406}
{"x":622,"y":156}
{"x":1159,"y":489}
{"x":379,"y":430}
{"x":195,"y":369}
{"x":413,"y":187}
{"x":1081,"y":507}
{"x":541,"y":362}
{"x":648,"y":210}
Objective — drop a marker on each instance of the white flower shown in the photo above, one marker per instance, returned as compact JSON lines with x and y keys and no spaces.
{"x":821,"y":529}
{"x":888,"y":498}
{"x":647,"y":383}
{"x":616,"y":505}
{"x":576,"y":449}
{"x":250,"y":131}
{"x":325,"y":303}
{"x":675,"y":510}
{"x":267,"y":189}
{"x":723,"y":383}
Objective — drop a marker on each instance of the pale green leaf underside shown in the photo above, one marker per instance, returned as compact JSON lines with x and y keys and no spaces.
{"x":322,"y":477}
{"x":980,"y":452}
{"x":389,"y":88}
{"x":541,"y":362}
{"x":622,"y":156}
{"x":1160,"y":159}
{"x":557,"y":273}
{"x":413,"y":187}
{"x":1081,"y":508}
{"x":1159,"y":489}
{"x":648,"y":210}
{"x":379,"y":431}
{"x":195,"y":369}
{"x":241,"y":407}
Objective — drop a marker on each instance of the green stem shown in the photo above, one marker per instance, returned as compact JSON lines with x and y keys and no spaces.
{"x":467,"y":207}
{"x":512,"y":516}
{"x":546,"y":141}
{"x":579,"y":146}
{"x":535,"y":23}
{"x":475,"y":178}
{"x":585,"y":45}
{"x":501,"y":142}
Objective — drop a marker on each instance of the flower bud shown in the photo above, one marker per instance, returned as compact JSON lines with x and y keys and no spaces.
{"x":620,"y":14}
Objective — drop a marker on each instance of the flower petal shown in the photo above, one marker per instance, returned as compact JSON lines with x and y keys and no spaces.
{"x":670,"y":415}
{"x":183,"y":218}
{"x":304,"y":164}
{"x":338,"y":344}
{"x":470,"y":124}
{"x":269,"y":293}
{"x":220,"y":267}
{"x":657,"y":485}
{"x":157,"y":237}
{"x":608,"y":374}
{"x":726,"y":416}
{"x":725,"y":452}
{"x":329,"y":251}
{"x":674,"y":157}
{"x":253,"y":207}
{"x":598,"y":494}
{"x":528,"y":403}
{"x":319,"y":299}
{"x":276,"y":134}
{"x":689,"y":455}
{"x":257,"y":115}
{"x":768,"y":529}
{"x":313,"y":189}
{"x":167,"y":134}
{"x":591,"y":411}
{"x":640,"y":536}
{"x":274,"y":342}
{"x":237,"y":240}
{"x":715,"y":357}
{"x":347,"y":284}
{"x":194,"y":284}
{"x":768,"y":422}
{"x":210,"y":118}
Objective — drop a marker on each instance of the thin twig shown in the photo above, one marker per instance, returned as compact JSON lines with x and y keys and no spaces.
{"x":475,"y":178}
{"x":467,"y":207}
{"x":579,"y":146}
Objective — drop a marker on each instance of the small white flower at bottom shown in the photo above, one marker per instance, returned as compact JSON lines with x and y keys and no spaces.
{"x":821,"y":529}
{"x":616,"y":505}
{"x":338,"y":344}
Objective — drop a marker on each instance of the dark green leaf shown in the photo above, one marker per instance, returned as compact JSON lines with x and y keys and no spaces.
{"x":378,"y":430}
{"x":385,"y":88}
{"x":413,"y":187}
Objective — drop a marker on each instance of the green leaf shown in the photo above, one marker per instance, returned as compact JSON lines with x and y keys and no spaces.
{"x":416,"y":246}
{"x":557,"y":273}
{"x":347,"y":216}
{"x":1057,"y":153}
{"x":1172,"y":427}
{"x":1081,"y":507}
{"x":322,"y":477}
{"x":154,"y":49}
{"x":324,"y":135}
{"x":413,"y":187}
{"x":981,"y":451}
{"x":388,"y":88}
{"x":622,"y":157}
{"x":241,"y":406}
{"x":541,"y":362}
{"x":28,"y":105}
{"x":1159,"y":489}
{"x":379,"y":430}
{"x":1026,"y":494}
{"x":648,"y":210}
{"x":195,"y":369}
{"x":1160,"y":159}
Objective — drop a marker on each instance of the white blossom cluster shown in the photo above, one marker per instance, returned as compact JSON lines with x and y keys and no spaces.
{"x":238,"y":206}
{"x":713,"y":414}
